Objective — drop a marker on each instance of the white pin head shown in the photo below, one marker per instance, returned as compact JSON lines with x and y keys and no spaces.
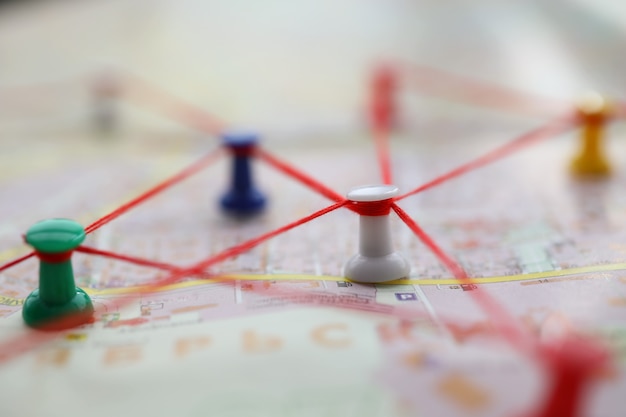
{"x":375,"y":192}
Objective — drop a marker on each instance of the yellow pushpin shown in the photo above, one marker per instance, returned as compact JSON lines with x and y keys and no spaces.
{"x":593,"y":110}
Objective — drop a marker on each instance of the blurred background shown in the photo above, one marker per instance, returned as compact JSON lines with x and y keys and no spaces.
{"x":295,"y":68}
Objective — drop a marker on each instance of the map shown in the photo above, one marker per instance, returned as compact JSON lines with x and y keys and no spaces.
{"x":278,"y":330}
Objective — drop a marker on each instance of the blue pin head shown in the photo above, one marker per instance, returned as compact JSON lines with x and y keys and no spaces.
{"x":243,"y":199}
{"x":234,"y":139}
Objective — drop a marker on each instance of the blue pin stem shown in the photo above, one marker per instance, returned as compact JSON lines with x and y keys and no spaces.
{"x":243,"y":198}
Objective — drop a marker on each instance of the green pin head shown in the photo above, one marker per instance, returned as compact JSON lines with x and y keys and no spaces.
{"x":57,"y":304}
{"x":55,"y":235}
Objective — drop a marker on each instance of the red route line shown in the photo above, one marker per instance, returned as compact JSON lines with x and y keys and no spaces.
{"x":381,"y":139}
{"x":172,"y":106}
{"x":175,"y":179}
{"x":507,"y":324}
{"x":545,"y":132}
{"x":438,"y":82}
{"x":295,"y":173}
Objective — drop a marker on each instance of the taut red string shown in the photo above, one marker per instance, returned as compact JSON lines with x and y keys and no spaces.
{"x":381,"y":139}
{"x":245,"y":150}
{"x":296,"y":174}
{"x":371,"y":208}
{"x":173,"y":180}
{"x":507,"y":325}
{"x":438,"y":82}
{"x":17,"y":261}
{"x":54,"y":258}
{"x":550,"y":130}
{"x":174,"y":107}
{"x":127,"y":258}
{"x":246,"y":246}
{"x":382,"y":116}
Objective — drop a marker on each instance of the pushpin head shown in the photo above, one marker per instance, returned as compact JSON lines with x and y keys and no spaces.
{"x":57,"y":304}
{"x":243,"y":199}
{"x":593,"y":105}
{"x":239,"y":139}
{"x":55,"y":235}
{"x":374,"y":192}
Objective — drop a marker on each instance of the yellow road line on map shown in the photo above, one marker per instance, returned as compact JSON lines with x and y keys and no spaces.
{"x":304,"y":277}
{"x":519,"y":277}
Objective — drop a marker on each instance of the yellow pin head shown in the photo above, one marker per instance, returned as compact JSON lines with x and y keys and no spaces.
{"x":592,"y":107}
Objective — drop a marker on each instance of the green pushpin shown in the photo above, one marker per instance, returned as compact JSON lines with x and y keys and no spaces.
{"x":57,"y":304}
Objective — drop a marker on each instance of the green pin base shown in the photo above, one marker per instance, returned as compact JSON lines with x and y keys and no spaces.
{"x":43,"y":316}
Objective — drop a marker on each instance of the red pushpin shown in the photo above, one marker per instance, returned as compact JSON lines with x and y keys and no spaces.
{"x":573,"y":362}
{"x":383,"y":90}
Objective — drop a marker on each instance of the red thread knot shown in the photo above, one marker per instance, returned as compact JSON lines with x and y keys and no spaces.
{"x":242,"y":150}
{"x":371,"y":208}
{"x":54,"y":258}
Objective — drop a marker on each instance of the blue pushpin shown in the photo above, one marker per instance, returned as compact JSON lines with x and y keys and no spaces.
{"x":243,"y":199}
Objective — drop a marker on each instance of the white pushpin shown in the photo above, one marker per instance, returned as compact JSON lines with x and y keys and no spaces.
{"x":376,"y":260}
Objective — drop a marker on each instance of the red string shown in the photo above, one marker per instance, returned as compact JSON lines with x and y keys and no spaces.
{"x":233,"y":251}
{"x":214,"y":259}
{"x":246,"y":246}
{"x":527,"y":139}
{"x":175,"y":179}
{"x":296,"y":174}
{"x":371,"y":208}
{"x":173,"y":106}
{"x":382,"y":115}
{"x":127,"y":258}
{"x":17,"y":261}
{"x":381,"y":139}
{"x":438,"y":82}
{"x":54,"y":258}
{"x":506,"y":323}
{"x":382,"y":105}
{"x":242,"y":150}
